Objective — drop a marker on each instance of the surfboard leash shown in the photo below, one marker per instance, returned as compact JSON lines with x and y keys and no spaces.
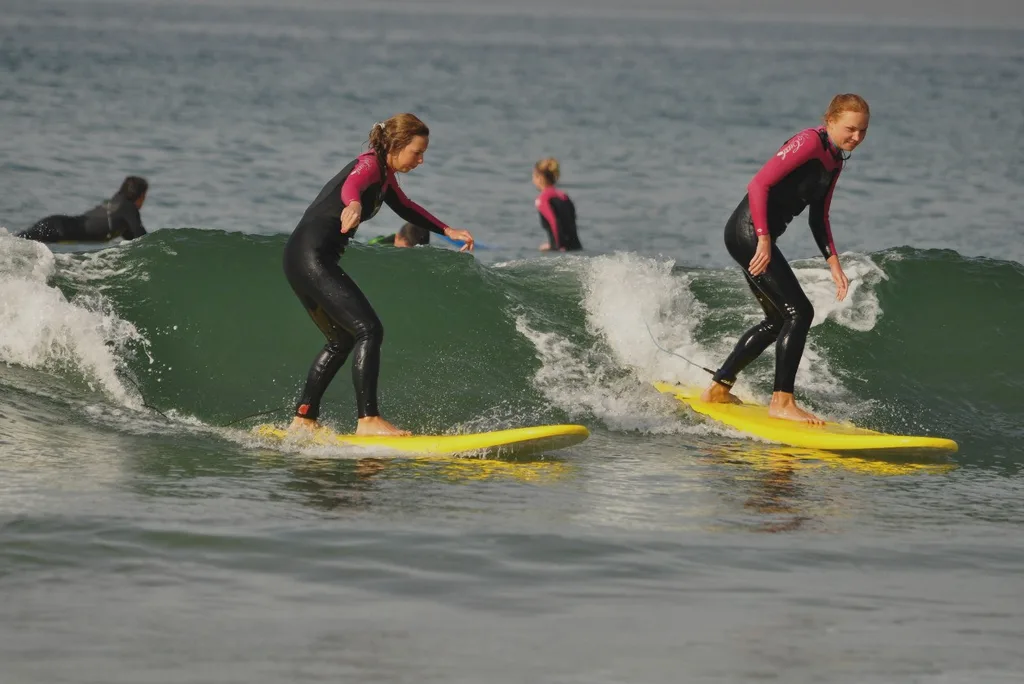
{"x":254,"y":415}
{"x":142,"y":396}
{"x":146,"y":404}
{"x":697,"y":365}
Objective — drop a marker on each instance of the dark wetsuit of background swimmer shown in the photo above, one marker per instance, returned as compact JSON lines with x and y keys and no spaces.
{"x":333,"y":300}
{"x":803,"y":173}
{"x":558,"y":219}
{"x":116,"y":217}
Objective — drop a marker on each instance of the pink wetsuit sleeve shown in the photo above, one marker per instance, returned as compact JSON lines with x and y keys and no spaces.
{"x":801,"y":149}
{"x":544,"y":207}
{"x":363,"y":175}
{"x":409,"y":210}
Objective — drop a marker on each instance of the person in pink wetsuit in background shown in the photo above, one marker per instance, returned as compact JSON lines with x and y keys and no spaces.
{"x":557,"y":212}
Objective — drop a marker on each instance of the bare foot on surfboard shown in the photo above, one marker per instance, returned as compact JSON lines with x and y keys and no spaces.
{"x":377,"y":426}
{"x":300,"y":423}
{"x":784,"y":406}
{"x":718,"y":393}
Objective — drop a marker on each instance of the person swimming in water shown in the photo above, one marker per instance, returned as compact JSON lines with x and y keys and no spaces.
{"x":333,"y":300}
{"x":117,"y":217}
{"x":408,"y":235}
{"x":557,"y":212}
{"x":802,"y":173}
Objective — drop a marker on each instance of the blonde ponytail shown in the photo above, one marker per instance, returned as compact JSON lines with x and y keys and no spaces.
{"x":549,"y":169}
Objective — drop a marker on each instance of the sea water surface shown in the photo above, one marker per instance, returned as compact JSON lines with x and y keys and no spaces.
{"x":142,"y":539}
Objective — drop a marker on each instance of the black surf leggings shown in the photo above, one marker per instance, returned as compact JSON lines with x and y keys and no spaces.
{"x":788,"y":312}
{"x":345,"y":317}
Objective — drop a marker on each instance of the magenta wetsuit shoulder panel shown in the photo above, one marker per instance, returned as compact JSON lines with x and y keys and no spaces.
{"x":802,"y":173}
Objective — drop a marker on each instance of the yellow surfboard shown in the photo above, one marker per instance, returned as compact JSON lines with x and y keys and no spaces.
{"x":502,"y":443}
{"x":753,"y":419}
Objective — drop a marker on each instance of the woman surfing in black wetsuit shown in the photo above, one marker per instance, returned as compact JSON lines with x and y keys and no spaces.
{"x":332,"y":298}
{"x":803,"y":173}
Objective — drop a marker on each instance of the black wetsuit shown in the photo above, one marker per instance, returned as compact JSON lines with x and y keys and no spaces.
{"x":332,"y":298}
{"x":803,"y":173}
{"x":116,"y":217}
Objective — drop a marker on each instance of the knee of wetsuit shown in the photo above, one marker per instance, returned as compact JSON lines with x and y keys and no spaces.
{"x":800,"y":311}
{"x":335,"y":347}
{"x":772,"y":326}
{"x":370,"y":329}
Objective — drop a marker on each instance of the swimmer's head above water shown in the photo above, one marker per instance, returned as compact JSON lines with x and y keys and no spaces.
{"x":411,"y":236}
{"x":546,"y":173}
{"x":134,"y":189}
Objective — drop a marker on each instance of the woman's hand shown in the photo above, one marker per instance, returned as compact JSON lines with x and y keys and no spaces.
{"x":351,"y":216}
{"x":839,"y":278}
{"x":459,"y":234}
{"x":762,"y":255}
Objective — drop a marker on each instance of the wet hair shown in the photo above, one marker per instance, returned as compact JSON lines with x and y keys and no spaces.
{"x":414,"y":235}
{"x":394,"y":134}
{"x":846,"y":102}
{"x":133,"y":188}
{"x":548,"y":168}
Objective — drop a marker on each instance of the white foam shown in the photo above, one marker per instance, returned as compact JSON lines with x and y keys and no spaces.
{"x":596,"y":378}
{"x":629,"y":299}
{"x":41,"y":329}
{"x":98,"y":268}
{"x":582,"y":381}
{"x":860,"y":310}
{"x":637,"y":303}
{"x":303,"y":444}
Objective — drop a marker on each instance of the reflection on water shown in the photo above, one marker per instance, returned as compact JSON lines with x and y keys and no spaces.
{"x":332,"y":483}
{"x":880,"y":463}
{"x":789,"y":488}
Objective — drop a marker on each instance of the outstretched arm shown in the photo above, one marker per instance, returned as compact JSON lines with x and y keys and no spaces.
{"x":418,"y":216}
{"x":410,"y":211}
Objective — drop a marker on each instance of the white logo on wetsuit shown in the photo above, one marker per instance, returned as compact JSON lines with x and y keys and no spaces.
{"x":363,"y":166}
{"x":792,"y":146}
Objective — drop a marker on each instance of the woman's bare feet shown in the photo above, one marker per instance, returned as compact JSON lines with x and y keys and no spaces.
{"x":300,"y":423}
{"x":784,"y":406}
{"x":718,"y":393}
{"x":375,"y":425}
